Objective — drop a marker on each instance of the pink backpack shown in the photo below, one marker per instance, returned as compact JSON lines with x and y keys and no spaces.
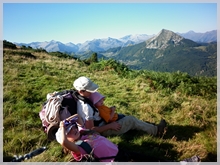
{"x":59,"y":106}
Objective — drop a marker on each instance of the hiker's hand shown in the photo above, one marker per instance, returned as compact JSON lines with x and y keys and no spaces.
{"x":62,"y":124}
{"x":115,"y":126}
{"x":63,"y":132}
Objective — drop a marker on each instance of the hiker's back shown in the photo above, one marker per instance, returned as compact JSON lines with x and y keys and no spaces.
{"x":86,"y":112}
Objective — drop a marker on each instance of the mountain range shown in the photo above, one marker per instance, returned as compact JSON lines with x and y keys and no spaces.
{"x":193,"y":53}
{"x":104,"y":44}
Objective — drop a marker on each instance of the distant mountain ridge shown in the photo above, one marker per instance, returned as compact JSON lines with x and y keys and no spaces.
{"x":210,"y":36}
{"x":104,"y":44}
{"x":95,"y":45}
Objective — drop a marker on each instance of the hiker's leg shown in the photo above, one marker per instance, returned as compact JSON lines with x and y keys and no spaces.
{"x":129,"y":123}
{"x":137,"y":124}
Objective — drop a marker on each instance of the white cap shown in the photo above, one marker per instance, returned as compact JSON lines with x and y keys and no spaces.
{"x":84,"y":83}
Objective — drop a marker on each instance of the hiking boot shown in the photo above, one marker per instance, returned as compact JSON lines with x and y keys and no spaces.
{"x":161,"y":127}
{"x":192,"y":159}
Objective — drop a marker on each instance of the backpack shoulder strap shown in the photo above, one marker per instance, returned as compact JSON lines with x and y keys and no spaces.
{"x":85,"y":100}
{"x":85,"y":146}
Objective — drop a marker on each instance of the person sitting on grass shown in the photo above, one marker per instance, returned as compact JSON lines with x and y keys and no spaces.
{"x":71,"y":133}
{"x":85,"y":87}
{"x":107,"y":113}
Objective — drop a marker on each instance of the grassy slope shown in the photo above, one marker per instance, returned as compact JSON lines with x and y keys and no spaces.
{"x":192,"y":119}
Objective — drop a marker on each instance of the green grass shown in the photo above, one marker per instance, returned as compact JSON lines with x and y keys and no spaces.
{"x":189,"y":104}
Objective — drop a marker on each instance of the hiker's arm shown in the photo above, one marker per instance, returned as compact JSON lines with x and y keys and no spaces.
{"x":69,"y":118}
{"x":89,"y":123}
{"x":65,"y":142}
{"x":114,"y":126}
{"x":79,"y":120}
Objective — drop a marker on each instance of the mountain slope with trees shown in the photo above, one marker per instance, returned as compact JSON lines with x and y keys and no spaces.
{"x":169,"y":52}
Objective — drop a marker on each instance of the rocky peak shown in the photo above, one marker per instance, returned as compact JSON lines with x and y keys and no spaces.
{"x":163,"y":39}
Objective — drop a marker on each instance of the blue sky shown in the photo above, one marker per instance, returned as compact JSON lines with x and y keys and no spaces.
{"x":80,"y":22}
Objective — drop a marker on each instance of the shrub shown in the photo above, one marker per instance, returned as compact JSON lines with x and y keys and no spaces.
{"x":9,"y":45}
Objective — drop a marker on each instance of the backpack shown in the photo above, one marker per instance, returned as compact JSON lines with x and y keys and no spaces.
{"x":58,"y":107}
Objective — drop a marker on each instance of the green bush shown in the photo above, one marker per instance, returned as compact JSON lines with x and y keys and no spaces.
{"x":9,"y":45}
